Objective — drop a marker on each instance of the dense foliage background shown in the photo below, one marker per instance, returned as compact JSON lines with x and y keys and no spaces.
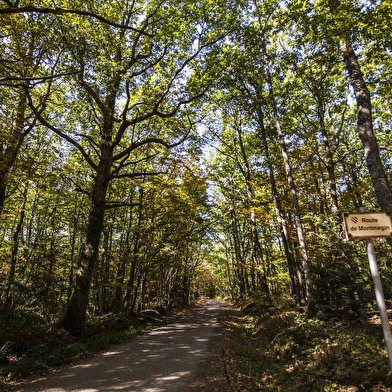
{"x":153,"y":152}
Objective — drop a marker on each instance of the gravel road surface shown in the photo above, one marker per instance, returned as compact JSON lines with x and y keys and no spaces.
{"x":185,"y":355}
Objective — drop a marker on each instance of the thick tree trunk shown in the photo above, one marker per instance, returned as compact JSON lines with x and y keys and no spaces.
{"x":75,"y":316}
{"x":9,"y":153}
{"x":364,"y":121}
{"x":365,"y":128}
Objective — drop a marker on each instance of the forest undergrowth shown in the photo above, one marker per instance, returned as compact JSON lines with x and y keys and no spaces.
{"x":274,"y":347}
{"x":268,"y":346}
{"x":31,"y":347}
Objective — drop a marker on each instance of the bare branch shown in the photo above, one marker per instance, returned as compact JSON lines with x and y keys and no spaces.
{"x":77,"y":186}
{"x":150,"y":140}
{"x":141,"y":174}
{"x":57,"y":131}
{"x":36,"y":79}
{"x":123,"y":164}
{"x":62,"y":11}
{"x":114,"y":204}
{"x":93,"y":94}
{"x":156,"y":111}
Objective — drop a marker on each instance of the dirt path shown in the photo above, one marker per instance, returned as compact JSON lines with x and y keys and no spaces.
{"x":185,"y":355}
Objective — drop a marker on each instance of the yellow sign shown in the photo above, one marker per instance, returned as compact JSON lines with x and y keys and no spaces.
{"x":368,"y":225}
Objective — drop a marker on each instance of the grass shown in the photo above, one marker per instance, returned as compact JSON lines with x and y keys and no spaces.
{"x":273,"y":347}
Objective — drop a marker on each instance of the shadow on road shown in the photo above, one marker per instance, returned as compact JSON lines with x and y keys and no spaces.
{"x":170,"y":358}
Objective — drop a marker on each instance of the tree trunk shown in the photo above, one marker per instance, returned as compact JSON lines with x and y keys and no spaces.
{"x":103,"y":280}
{"x":243,"y":284}
{"x":73,"y":235}
{"x":288,"y":247}
{"x":15,"y":251}
{"x":330,"y":167}
{"x":258,"y":259}
{"x":9,"y":153}
{"x":310,"y":303}
{"x":135,"y":253}
{"x":364,"y":121}
{"x":365,"y":127}
{"x":75,"y":317}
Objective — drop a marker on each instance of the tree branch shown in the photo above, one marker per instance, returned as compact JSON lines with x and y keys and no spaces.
{"x":123,"y":164}
{"x":150,"y":140}
{"x":113,"y":204}
{"x":62,"y":11}
{"x":141,"y":174}
{"x":57,"y":131}
{"x":37,"y":79}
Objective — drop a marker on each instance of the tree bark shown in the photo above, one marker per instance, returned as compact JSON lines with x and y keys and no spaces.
{"x":366,"y":134}
{"x":333,"y":193}
{"x":8,"y":154}
{"x":258,"y":259}
{"x":365,"y":127}
{"x":243,"y":284}
{"x":75,"y":317}
{"x":287,"y":244}
{"x":135,"y":253}
{"x":14,"y":253}
{"x":310,"y":302}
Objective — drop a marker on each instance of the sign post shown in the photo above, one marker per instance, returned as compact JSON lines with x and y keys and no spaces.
{"x":366,"y":226}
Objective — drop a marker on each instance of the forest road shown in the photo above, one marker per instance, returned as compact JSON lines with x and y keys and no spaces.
{"x":185,"y":355}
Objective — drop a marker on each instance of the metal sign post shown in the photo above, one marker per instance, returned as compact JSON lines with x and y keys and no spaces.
{"x":380,"y":298}
{"x":371,"y":222}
